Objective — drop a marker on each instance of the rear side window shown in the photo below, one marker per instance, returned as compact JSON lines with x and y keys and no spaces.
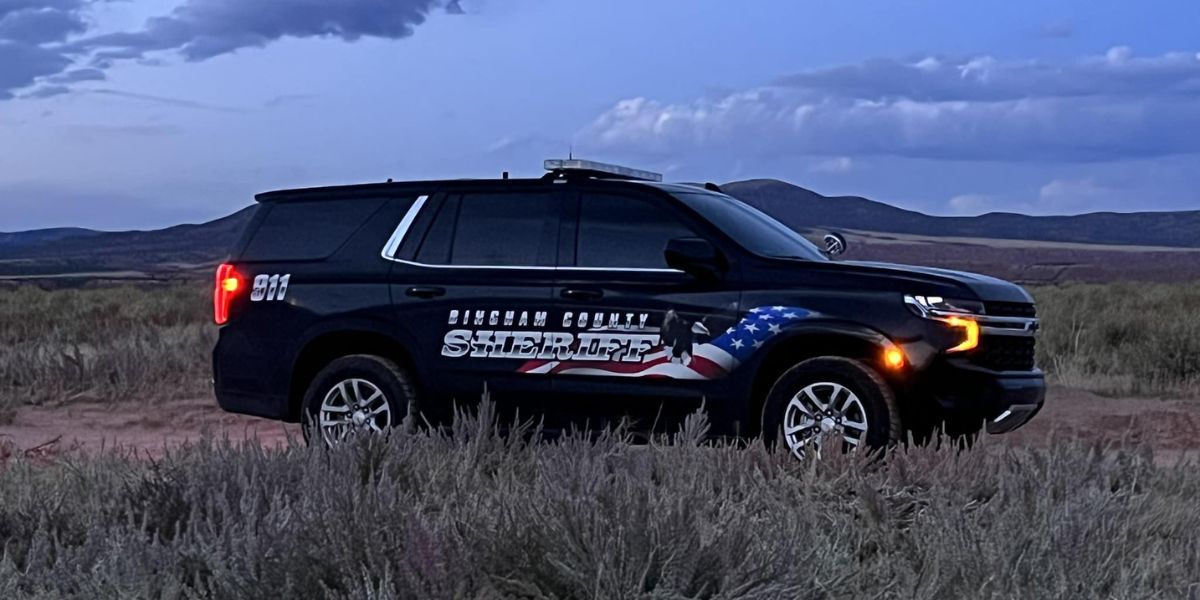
{"x":493,"y":230}
{"x":625,"y":232}
{"x":309,"y":230}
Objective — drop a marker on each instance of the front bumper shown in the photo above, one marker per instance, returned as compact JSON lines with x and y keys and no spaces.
{"x":1003,"y":400}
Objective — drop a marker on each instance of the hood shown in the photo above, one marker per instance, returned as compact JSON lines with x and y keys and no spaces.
{"x":988,"y":289}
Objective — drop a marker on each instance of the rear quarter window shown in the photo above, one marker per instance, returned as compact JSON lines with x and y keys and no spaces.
{"x":305,"y":231}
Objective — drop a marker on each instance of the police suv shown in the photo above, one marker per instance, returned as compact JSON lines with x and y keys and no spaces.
{"x":598,"y":295}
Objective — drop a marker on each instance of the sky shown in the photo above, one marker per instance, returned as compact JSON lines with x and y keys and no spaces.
{"x":131,"y":114}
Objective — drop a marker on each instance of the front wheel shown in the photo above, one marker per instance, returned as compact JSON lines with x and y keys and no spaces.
{"x":831,"y":402}
{"x":358,"y":394}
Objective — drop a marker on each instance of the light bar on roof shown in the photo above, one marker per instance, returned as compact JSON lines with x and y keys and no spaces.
{"x":575,"y":164}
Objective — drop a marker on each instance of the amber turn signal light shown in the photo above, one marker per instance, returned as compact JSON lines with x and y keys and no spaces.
{"x":970,"y":328}
{"x":893,"y":358}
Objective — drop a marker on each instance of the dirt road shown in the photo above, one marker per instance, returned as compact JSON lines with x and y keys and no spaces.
{"x":1171,"y":427}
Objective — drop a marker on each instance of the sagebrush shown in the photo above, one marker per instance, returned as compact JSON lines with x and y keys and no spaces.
{"x":470,"y":514}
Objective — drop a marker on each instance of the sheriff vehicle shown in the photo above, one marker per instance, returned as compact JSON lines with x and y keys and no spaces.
{"x":598,"y":294}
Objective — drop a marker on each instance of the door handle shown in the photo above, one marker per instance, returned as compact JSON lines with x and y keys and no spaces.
{"x":425,"y":292}
{"x":575,"y":294}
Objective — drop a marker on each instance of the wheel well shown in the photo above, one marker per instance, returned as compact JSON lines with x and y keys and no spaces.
{"x":329,"y":347}
{"x":790,"y":352}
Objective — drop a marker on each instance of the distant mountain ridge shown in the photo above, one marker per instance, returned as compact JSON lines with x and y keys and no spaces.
{"x":191,"y":250}
{"x":21,"y":238}
{"x":801,"y":208}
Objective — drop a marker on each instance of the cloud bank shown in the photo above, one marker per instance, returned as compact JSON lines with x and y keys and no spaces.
{"x":43,"y":41}
{"x":30,"y":33}
{"x":1107,"y":107}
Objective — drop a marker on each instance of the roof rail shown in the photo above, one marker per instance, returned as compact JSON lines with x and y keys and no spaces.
{"x":566,"y":167}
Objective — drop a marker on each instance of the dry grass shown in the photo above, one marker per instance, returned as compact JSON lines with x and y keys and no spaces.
{"x":1124,"y":338}
{"x":123,"y":343}
{"x":140,"y":343}
{"x":474,"y":515}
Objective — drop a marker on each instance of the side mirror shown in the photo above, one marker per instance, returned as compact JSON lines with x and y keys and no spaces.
{"x":835,"y":244}
{"x":695,"y":256}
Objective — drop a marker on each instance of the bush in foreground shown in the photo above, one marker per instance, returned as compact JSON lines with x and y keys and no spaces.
{"x":476,"y":515}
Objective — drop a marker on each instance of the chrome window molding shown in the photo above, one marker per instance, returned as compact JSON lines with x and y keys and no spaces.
{"x":393,"y":245}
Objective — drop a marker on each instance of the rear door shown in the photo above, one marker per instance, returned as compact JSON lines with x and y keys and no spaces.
{"x":473,"y":280}
{"x":646,"y":337}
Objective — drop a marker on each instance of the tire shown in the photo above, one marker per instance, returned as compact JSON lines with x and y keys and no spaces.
{"x":381,"y":396}
{"x":874,"y":407}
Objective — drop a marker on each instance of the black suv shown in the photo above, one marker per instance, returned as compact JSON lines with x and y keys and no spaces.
{"x":597,"y":295}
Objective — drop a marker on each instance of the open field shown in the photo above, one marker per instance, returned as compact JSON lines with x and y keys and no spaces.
{"x":475,"y":515}
{"x":119,"y":477}
{"x":1030,"y":262}
{"x":152,"y":343}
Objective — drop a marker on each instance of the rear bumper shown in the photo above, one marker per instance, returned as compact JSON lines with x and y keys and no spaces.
{"x":242,"y":395}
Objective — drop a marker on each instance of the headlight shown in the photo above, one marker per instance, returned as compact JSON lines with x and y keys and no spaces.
{"x":954,"y":313}
{"x":926,"y":305}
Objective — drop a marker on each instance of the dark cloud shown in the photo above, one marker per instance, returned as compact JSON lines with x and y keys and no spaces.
{"x":48,"y":91}
{"x":1098,"y":108}
{"x":202,"y":29}
{"x":78,"y":75}
{"x":40,"y":25}
{"x":22,"y":64}
{"x":31,"y":32}
{"x":36,"y":45}
{"x":167,"y":101}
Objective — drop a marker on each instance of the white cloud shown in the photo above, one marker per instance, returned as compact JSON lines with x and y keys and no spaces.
{"x":1065,"y":195}
{"x":1107,"y":107}
{"x":833,"y":166}
{"x":970,"y":204}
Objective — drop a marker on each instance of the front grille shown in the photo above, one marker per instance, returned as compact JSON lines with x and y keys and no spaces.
{"x":1010,"y":309}
{"x":1005,"y":353}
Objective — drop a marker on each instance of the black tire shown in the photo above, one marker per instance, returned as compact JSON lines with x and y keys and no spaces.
{"x":882,"y":417}
{"x":393,"y":382}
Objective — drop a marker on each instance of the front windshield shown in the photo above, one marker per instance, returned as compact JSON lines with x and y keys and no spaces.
{"x":753,"y":229}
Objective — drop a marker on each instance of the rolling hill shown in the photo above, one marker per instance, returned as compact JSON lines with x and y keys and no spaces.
{"x":798,"y":207}
{"x":1092,"y":247}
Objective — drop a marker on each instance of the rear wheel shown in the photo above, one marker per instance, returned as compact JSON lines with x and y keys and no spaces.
{"x":831,"y":403}
{"x":354,"y":395}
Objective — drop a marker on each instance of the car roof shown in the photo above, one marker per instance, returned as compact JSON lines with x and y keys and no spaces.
{"x":418,"y":187}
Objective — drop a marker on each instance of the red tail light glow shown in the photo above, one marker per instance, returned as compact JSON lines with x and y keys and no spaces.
{"x":226,"y":289}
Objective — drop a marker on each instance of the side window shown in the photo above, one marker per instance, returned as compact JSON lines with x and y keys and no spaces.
{"x":309,"y":230}
{"x":493,"y":230}
{"x":625,"y":232}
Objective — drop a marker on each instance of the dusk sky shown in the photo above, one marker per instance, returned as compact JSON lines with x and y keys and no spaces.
{"x":120,"y":114}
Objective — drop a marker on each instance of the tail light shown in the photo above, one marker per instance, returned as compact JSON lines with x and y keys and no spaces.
{"x":228,"y":285}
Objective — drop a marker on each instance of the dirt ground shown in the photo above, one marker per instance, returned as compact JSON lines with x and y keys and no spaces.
{"x":1170,"y":427}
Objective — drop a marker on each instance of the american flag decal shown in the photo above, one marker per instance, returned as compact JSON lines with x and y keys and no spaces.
{"x":710,"y":359}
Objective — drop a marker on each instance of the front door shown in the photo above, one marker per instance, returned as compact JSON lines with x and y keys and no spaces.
{"x":647,"y":340}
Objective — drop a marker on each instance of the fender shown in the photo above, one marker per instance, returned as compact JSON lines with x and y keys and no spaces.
{"x":819,"y":327}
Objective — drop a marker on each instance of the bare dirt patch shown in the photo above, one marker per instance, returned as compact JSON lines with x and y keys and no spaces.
{"x":40,"y":432}
{"x":1170,"y":427}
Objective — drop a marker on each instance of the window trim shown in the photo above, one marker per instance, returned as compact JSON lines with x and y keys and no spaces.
{"x":404,"y":228}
